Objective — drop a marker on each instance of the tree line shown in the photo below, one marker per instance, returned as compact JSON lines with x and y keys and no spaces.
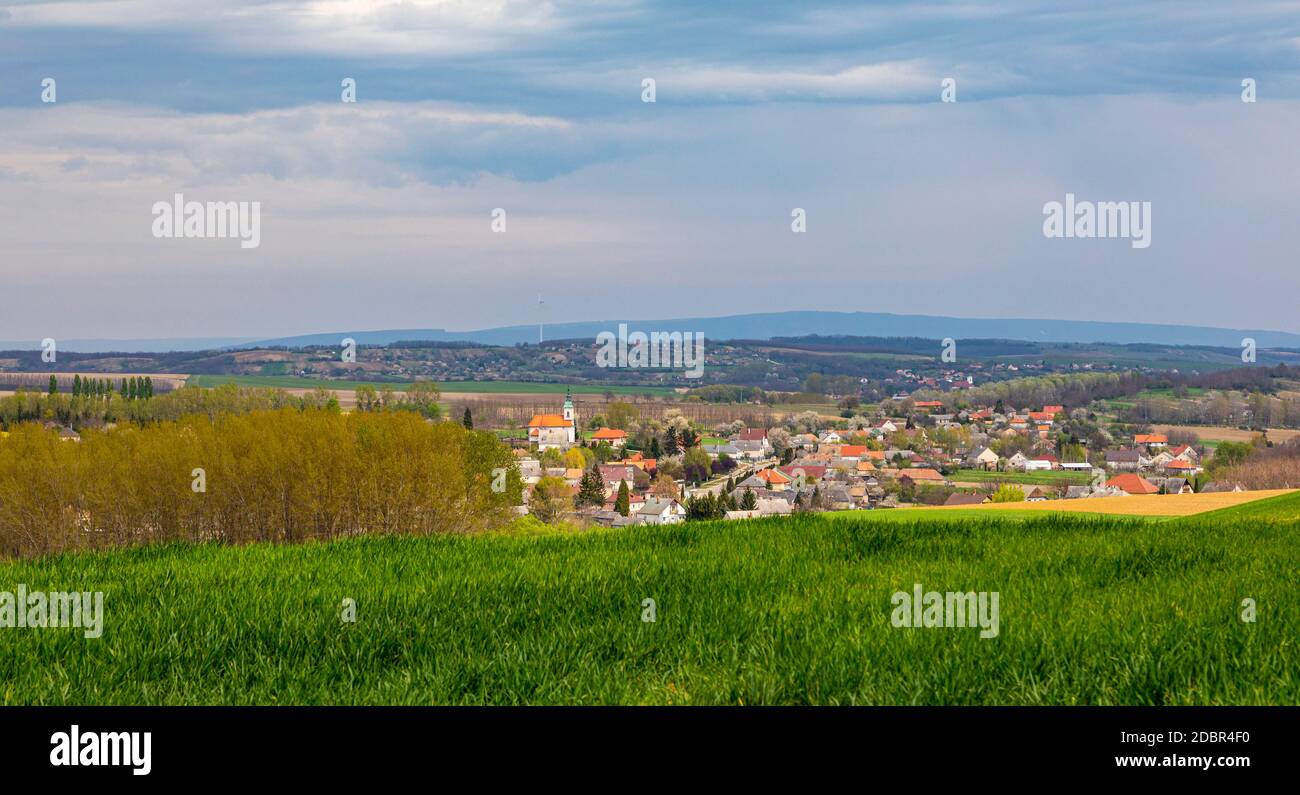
{"x":281,"y":475}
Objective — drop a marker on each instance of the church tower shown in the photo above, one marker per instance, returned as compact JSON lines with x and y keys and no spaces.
{"x":572,"y":430}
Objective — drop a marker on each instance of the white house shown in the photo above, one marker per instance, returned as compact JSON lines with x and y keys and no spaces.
{"x":658,"y":510}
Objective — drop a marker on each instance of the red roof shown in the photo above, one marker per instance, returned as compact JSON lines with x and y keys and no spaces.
{"x":853,"y":450}
{"x":609,"y":433}
{"x":1130,"y":483}
{"x":920,"y":473}
{"x":549,"y":421}
{"x":753,"y":435}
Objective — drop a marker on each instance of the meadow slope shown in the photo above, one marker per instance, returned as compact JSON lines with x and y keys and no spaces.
{"x":1094,"y":610}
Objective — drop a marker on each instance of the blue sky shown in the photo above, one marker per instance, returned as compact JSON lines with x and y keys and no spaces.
{"x":377,"y":214}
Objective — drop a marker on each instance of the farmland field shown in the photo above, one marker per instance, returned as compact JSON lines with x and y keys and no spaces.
{"x":1040,"y":478}
{"x":1093,"y":610}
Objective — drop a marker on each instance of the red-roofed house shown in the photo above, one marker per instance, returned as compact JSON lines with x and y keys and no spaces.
{"x":1131,"y":483}
{"x":611,"y":436}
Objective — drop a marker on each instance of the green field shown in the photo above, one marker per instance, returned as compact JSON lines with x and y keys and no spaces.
{"x":449,"y":387}
{"x":1042,"y":478}
{"x":783,"y":611}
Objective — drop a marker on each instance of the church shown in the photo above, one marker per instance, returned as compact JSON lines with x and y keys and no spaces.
{"x":555,"y":430}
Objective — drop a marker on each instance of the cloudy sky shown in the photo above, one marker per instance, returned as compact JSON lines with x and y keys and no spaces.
{"x":377,"y":214}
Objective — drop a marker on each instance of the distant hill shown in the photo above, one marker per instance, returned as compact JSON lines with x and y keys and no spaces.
{"x":860,"y":324}
{"x":762,"y":326}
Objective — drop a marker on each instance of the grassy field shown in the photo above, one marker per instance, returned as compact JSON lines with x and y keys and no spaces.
{"x":1040,"y":478}
{"x":1093,"y":610}
{"x":484,"y":387}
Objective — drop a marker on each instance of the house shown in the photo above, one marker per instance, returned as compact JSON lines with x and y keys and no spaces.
{"x":661,"y":510}
{"x":715,"y":450}
{"x":852,"y":452}
{"x":982,"y":458}
{"x":1177,"y":467}
{"x":772,"y":479}
{"x":811,"y":472}
{"x":554,"y":430}
{"x":1017,"y":461}
{"x":1077,"y":492}
{"x":1131,"y":483}
{"x":831,"y":437}
{"x":1124,"y":460}
{"x":1042,"y":462}
{"x":1185,"y":452}
{"x":773,"y":506}
{"x":611,"y":436}
{"x":1036,"y":495}
{"x":613,"y":474}
{"x":635,"y":502}
{"x":922,"y":475}
{"x":1052,"y":411}
{"x":1175,"y":486}
{"x":966,"y":499}
{"x":1151,"y":440}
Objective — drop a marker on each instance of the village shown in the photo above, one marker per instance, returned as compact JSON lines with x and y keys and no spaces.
{"x":926,"y":455}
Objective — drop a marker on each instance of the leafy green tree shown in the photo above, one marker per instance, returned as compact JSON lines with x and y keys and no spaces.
{"x":54,"y":385}
{"x":76,"y":385}
{"x":748,"y":501}
{"x":468,"y":419}
{"x":1008,"y":493}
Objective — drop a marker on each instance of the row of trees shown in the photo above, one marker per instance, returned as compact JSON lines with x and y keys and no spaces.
{"x":275,"y":475}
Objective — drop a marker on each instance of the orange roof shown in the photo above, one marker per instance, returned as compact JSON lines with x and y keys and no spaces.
{"x":1179,"y":463}
{"x":920,"y":473}
{"x":853,"y":450}
{"x":865,"y":465}
{"x":609,"y":433}
{"x":549,"y":421}
{"x":879,"y":455}
{"x":772,"y":476}
{"x":1130,"y":483}
{"x":1150,"y":438}
{"x":1054,"y":410}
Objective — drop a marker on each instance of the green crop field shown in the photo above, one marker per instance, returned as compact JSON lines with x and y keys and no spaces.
{"x":1040,"y":478}
{"x":449,"y":387}
{"x":1093,"y":610}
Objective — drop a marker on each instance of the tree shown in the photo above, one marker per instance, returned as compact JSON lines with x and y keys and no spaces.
{"x":76,"y":385}
{"x":424,"y":396}
{"x":124,"y":389}
{"x":574,"y":459}
{"x":748,"y":501}
{"x":664,"y":486}
{"x":670,"y":441}
{"x":1008,"y":493}
{"x":54,"y":385}
{"x":696,"y":465}
{"x":621,"y":414}
{"x":551,"y":499}
{"x":591,"y":490}
{"x":468,"y":419}
{"x":623,"y":503}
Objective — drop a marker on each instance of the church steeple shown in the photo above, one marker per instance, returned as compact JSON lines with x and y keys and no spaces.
{"x":568,"y":403}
